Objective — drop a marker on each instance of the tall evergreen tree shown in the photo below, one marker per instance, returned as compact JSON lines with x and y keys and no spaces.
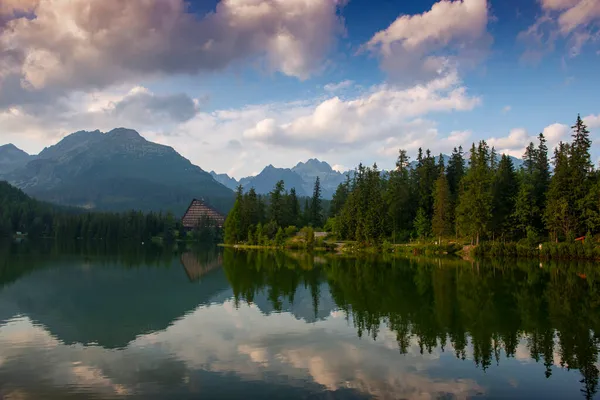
{"x":233,"y":224}
{"x":277,"y":203}
{"x":294,"y":208}
{"x":441,"y":224}
{"x":316,"y":208}
{"x":399,"y":201}
{"x":475,"y":201}
{"x":339,"y":197}
{"x":581,"y":169}
{"x":504,"y":194}
{"x":560,"y":214}
{"x":455,"y":171}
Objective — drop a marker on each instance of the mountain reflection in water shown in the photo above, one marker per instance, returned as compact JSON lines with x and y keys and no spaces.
{"x":144,"y":322}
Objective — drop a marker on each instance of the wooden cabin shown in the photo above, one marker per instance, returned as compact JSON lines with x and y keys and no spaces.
{"x":199,"y":210}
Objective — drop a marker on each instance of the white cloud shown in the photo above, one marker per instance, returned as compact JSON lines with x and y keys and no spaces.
{"x":506,"y":109}
{"x":64,"y":48}
{"x":452,"y":34}
{"x":386,"y":112}
{"x":518,"y":139}
{"x":592,"y":121}
{"x":335,"y":87}
{"x":246,"y":139}
{"x":577,"y":21}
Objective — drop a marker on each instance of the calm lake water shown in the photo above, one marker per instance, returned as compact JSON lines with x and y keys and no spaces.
{"x":142,"y":323}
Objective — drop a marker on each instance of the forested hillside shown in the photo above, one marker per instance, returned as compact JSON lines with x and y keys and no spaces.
{"x":21,"y":213}
{"x":116,"y":171}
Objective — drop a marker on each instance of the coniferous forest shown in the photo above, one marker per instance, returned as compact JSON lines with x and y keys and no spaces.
{"x":20,"y":213}
{"x":478,"y":196}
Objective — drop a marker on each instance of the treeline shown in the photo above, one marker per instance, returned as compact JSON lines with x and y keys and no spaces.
{"x":484,"y":197}
{"x":270,"y":219}
{"x":20,"y":213}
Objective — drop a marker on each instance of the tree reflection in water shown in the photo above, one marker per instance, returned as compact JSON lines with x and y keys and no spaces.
{"x":484,"y":309}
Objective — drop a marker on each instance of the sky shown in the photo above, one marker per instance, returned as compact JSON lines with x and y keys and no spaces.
{"x":235,"y":85}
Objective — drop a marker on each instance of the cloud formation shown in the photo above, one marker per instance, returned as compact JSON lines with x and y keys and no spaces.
{"x":54,"y":46}
{"x":576,"y":21}
{"x":335,"y":87}
{"x":453,"y":34}
{"x":384,"y":113}
{"x":517,"y":140}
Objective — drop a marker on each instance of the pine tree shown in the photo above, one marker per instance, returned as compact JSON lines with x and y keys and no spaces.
{"x":525,"y":209}
{"x":233,"y":223}
{"x":441,"y":224}
{"x":475,"y":201}
{"x":316,"y":208}
{"x":399,"y":200}
{"x":339,"y":197}
{"x":504,"y":193}
{"x":276,"y":203}
{"x":581,"y":169}
{"x":560,"y":214}
{"x":422,"y":225}
{"x":455,"y":171}
{"x":294,"y":208}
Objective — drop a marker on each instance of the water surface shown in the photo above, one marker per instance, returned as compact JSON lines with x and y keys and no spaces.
{"x":144,"y":323}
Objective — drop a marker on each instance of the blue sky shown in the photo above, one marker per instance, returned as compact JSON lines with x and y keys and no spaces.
{"x":235,"y":85}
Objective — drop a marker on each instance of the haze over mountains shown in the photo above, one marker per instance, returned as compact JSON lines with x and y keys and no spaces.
{"x":117,"y":171}
{"x":120,"y":170}
{"x":301,"y":177}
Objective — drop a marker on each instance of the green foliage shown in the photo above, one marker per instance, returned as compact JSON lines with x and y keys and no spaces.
{"x":316,"y":208}
{"x":486,"y":200}
{"x":20,"y":213}
{"x":309,"y":235}
{"x":441,"y":224}
{"x":475,"y":199}
{"x":422,"y":226}
{"x":279,"y":238}
{"x":291,"y":231}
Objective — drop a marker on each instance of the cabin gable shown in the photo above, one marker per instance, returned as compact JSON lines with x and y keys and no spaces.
{"x":198,"y":210}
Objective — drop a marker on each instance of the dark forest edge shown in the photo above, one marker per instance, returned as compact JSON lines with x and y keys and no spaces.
{"x":484,"y":207}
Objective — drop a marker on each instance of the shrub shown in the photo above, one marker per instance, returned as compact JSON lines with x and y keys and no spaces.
{"x":290,"y":231}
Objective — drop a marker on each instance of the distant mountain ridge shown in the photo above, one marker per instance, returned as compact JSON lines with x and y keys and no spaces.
{"x":11,"y":157}
{"x":117,"y":171}
{"x":302,"y":177}
{"x":120,"y":170}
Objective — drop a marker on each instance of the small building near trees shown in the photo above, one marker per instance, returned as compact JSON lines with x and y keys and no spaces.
{"x":199,"y":212}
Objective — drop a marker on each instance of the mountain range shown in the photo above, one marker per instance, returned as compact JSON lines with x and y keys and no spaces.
{"x":120,"y":170}
{"x":301,"y":177}
{"x":117,"y":171}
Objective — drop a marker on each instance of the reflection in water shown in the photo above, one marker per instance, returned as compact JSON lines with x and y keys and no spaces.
{"x":82,"y":322}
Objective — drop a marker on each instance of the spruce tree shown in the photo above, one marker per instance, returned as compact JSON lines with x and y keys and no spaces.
{"x":277,"y":203}
{"x":399,"y":201}
{"x":294,"y":208}
{"x":441,"y":224}
{"x":560,"y":214}
{"x":475,"y":201}
{"x":316,"y":208}
{"x":581,"y":169}
{"x":233,"y":228}
{"x":339,"y":197}
{"x":504,"y":193}
{"x":455,"y":171}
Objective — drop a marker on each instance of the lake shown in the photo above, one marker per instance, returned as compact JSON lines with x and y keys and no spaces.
{"x":79,"y":322}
